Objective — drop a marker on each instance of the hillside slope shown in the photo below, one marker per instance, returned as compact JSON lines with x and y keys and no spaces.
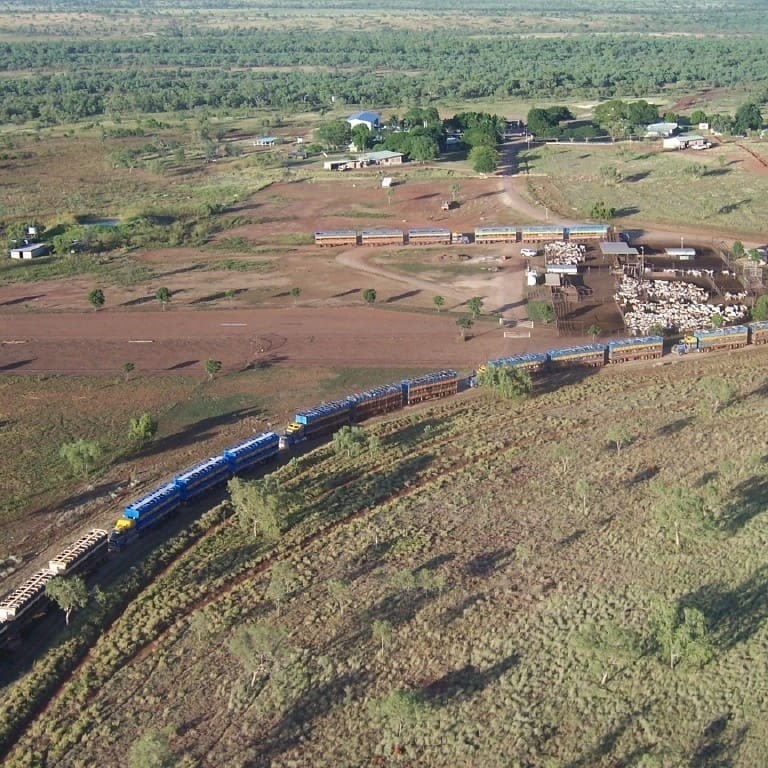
{"x":499,"y":585}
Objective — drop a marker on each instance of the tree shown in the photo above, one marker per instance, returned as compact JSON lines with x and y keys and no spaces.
{"x":212,"y":367}
{"x":698,"y":116}
{"x":464,"y":324}
{"x":583,"y":491}
{"x":361,"y":137}
{"x":720,"y":391}
{"x":676,"y":508}
{"x":512,"y":383}
{"x":747,"y":118}
{"x":69,"y":593}
{"x":737,"y":249}
{"x":382,"y":632}
{"x":127,"y":370}
{"x":601,"y":211}
{"x":81,"y":455}
{"x":399,"y":709}
{"x":717,"y":320}
{"x":612,"y":644}
{"x":594,"y":331}
{"x":260,"y":506}
{"x":438,"y":301}
{"x":610,"y":175}
{"x":620,"y":436}
{"x":340,"y":593}
{"x":484,"y":159}
{"x":760,"y":310}
{"x":282,"y":581}
{"x":369,"y":296}
{"x":333,"y":134}
{"x":390,"y":194}
{"x":163,"y":296}
{"x":681,"y":636}
{"x":96,"y":298}
{"x":541,"y":311}
{"x":151,"y":750}
{"x":350,"y":441}
{"x":142,"y":429}
{"x":262,"y":649}
{"x":475,"y":305}
{"x":295,"y":293}
{"x":455,"y":191}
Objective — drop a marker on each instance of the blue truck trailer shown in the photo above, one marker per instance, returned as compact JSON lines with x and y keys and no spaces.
{"x":253,"y":451}
{"x":146,"y":512}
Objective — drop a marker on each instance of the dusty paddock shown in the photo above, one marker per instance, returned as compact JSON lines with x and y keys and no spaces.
{"x":179,"y":341}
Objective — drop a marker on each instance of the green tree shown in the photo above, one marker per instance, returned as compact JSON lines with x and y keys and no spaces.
{"x":484,"y":159}
{"x":398,"y":710}
{"x":152,"y":750}
{"x":681,"y":636}
{"x":212,"y":367}
{"x":163,"y":296}
{"x":620,"y":436}
{"x":81,"y":455}
{"x":507,"y":381}
{"x":720,"y":391}
{"x":737,"y":249}
{"x":333,"y":134}
{"x":96,"y":298}
{"x":610,"y":646}
{"x":142,"y":429}
{"x":295,"y":293}
{"x":260,"y":506}
{"x":455,"y":191}
{"x":361,"y":137}
{"x":464,"y":324}
{"x":369,"y":296}
{"x":584,"y":491}
{"x":747,"y":118}
{"x":349,"y":440}
{"x":601,"y":211}
{"x":594,"y":331}
{"x":610,"y":175}
{"x":698,"y":116}
{"x":262,"y":649}
{"x":475,"y":306}
{"x":541,"y":311}
{"x":717,"y":320}
{"x":127,"y":370}
{"x":68,"y":592}
{"x":439,"y":302}
{"x":230,"y":294}
{"x":760,"y":310}
{"x":340,"y":593}
{"x":678,"y":509}
{"x":282,"y":581}
{"x":382,"y":632}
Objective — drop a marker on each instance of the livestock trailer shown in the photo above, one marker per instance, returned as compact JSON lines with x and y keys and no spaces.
{"x":588,"y":232}
{"x":758,"y":332}
{"x":429,"y":236}
{"x":431,"y":385}
{"x":586,"y":355}
{"x":492,"y":235}
{"x":528,"y":361}
{"x":252,"y":451}
{"x":381,"y":237}
{"x":732,"y":337}
{"x":537,"y":233}
{"x":388,"y":397}
{"x":640,"y":348}
{"x":202,"y":477}
{"x":344,"y":237}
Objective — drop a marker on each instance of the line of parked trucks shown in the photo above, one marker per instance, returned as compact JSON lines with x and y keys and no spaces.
{"x":29,"y":601}
{"x":492,"y":235}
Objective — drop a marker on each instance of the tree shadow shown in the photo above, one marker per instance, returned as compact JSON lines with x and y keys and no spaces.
{"x":218,"y":296}
{"x":461,"y":684}
{"x":181,"y":271}
{"x":554,"y":380}
{"x":718,"y":172}
{"x":747,"y":500}
{"x":22,"y":300}
{"x":733,"y":207}
{"x":674,"y":426}
{"x":716,"y":747}
{"x":571,"y":538}
{"x":643,"y":475}
{"x":400,"y":296}
{"x":458,"y":610}
{"x":77,"y":499}
{"x":632,"y":178}
{"x":17,"y":364}
{"x":350,"y":292}
{"x":184,"y":364}
{"x":733,"y":614}
{"x":484,"y":563}
{"x":140,"y":300}
{"x":628,"y":210}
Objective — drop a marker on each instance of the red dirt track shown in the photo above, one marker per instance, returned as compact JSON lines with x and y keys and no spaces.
{"x":179,"y":341}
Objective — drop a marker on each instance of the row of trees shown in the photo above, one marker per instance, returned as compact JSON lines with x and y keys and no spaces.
{"x":234,"y":71}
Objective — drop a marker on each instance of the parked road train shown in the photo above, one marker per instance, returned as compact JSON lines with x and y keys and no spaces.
{"x":22,"y":606}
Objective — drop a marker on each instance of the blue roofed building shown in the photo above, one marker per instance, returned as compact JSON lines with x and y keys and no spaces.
{"x":371,"y":119}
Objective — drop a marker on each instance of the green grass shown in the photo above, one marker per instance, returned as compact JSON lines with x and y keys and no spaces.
{"x":466,"y":534}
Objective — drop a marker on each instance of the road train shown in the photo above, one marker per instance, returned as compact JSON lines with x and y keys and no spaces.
{"x":29,"y":601}
{"x":530,"y":233}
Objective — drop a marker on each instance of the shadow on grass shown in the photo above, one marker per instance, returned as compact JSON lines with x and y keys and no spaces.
{"x":716,"y":746}
{"x":485,"y":563}
{"x":734,"y":614}
{"x":747,"y":500}
{"x":21,"y":300}
{"x":17,"y":364}
{"x":462,"y":683}
{"x":551,"y":382}
{"x":458,"y":610}
{"x":401,"y":296}
{"x":678,"y":425}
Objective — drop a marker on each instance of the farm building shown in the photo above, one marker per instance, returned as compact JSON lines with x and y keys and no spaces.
{"x":266,"y":141}
{"x":660,"y":130}
{"x":382,"y":157}
{"x":336,"y":165}
{"x":689,"y":141}
{"x":371,"y":119}
{"x":29,"y":251}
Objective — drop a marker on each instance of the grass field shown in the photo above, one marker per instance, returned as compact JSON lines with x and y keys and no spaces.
{"x":523,"y":567}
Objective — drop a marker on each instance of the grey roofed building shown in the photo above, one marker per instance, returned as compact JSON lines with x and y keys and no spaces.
{"x":660,"y":130}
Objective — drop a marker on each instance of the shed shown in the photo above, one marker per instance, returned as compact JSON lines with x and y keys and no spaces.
{"x":683,"y":254}
{"x":29,"y":251}
{"x":382,"y":157}
{"x":688,"y":141}
{"x":266,"y":141}
{"x":371,"y":119}
{"x":660,"y":130}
